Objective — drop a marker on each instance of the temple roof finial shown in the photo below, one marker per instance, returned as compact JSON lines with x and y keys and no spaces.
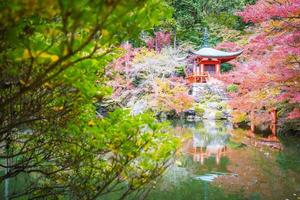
{"x":205,"y":38}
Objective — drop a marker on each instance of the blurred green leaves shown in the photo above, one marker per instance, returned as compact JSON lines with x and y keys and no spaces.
{"x":192,"y":16}
{"x":53,"y":62}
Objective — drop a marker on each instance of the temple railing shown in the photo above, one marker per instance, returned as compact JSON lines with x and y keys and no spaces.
{"x":198,"y":77}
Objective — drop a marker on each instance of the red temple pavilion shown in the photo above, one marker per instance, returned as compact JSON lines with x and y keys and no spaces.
{"x":208,"y":63}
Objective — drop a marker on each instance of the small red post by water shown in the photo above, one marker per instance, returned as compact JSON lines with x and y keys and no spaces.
{"x":274,"y":116}
{"x":274,"y":121}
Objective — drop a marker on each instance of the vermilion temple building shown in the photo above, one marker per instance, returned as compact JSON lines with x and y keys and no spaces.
{"x":207,"y":63}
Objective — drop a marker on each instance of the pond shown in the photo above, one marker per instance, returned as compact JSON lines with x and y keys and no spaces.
{"x":217,"y":161}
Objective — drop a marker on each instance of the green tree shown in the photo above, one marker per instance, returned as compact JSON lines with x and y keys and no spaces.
{"x":192,"y":16}
{"x":52,"y":56}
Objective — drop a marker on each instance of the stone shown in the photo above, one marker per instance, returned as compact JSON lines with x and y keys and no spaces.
{"x":190,"y":118}
{"x":189,"y":112}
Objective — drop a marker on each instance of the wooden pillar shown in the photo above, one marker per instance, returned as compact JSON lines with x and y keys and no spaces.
{"x":218,"y":69}
{"x":218,"y":156}
{"x":201,"y":71}
{"x":201,"y":159}
{"x":274,"y":116}
{"x":273,"y":126}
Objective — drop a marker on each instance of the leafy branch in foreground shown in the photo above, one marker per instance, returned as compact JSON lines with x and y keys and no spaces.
{"x":52,"y":56}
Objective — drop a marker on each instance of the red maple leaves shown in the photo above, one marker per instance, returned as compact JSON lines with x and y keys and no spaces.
{"x":268,"y":72}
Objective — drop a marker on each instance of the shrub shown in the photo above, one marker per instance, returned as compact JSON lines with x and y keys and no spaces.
{"x":219,"y":115}
{"x":180,"y":71}
{"x":221,"y":106}
{"x":239,"y":117}
{"x":232,"y":88}
{"x":199,"y":110}
{"x":225,"y":67}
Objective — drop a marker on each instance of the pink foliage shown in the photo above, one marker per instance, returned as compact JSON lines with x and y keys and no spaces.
{"x":264,"y":10}
{"x":295,"y":114}
{"x":122,"y":63}
{"x":271,"y":59}
{"x":228,"y":46}
{"x":290,"y":95}
{"x":150,"y":43}
{"x":160,"y":40}
{"x":171,"y":94}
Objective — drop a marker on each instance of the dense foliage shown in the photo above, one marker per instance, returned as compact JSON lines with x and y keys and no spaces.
{"x":63,"y":64}
{"x":53,"y":55}
{"x":191,"y":16}
{"x":144,"y":79}
{"x":268,"y":74}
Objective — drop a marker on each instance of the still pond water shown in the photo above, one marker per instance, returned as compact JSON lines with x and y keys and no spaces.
{"x":218,"y":162}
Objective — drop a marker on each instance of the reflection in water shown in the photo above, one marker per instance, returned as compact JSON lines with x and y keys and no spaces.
{"x":216,"y":150}
{"x":209,"y":141}
{"x":273,"y":137}
{"x":219,"y":162}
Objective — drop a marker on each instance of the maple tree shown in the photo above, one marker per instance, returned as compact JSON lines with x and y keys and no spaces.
{"x":161,"y":39}
{"x":267,"y":74}
{"x":144,"y":75}
{"x":171,"y":94}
